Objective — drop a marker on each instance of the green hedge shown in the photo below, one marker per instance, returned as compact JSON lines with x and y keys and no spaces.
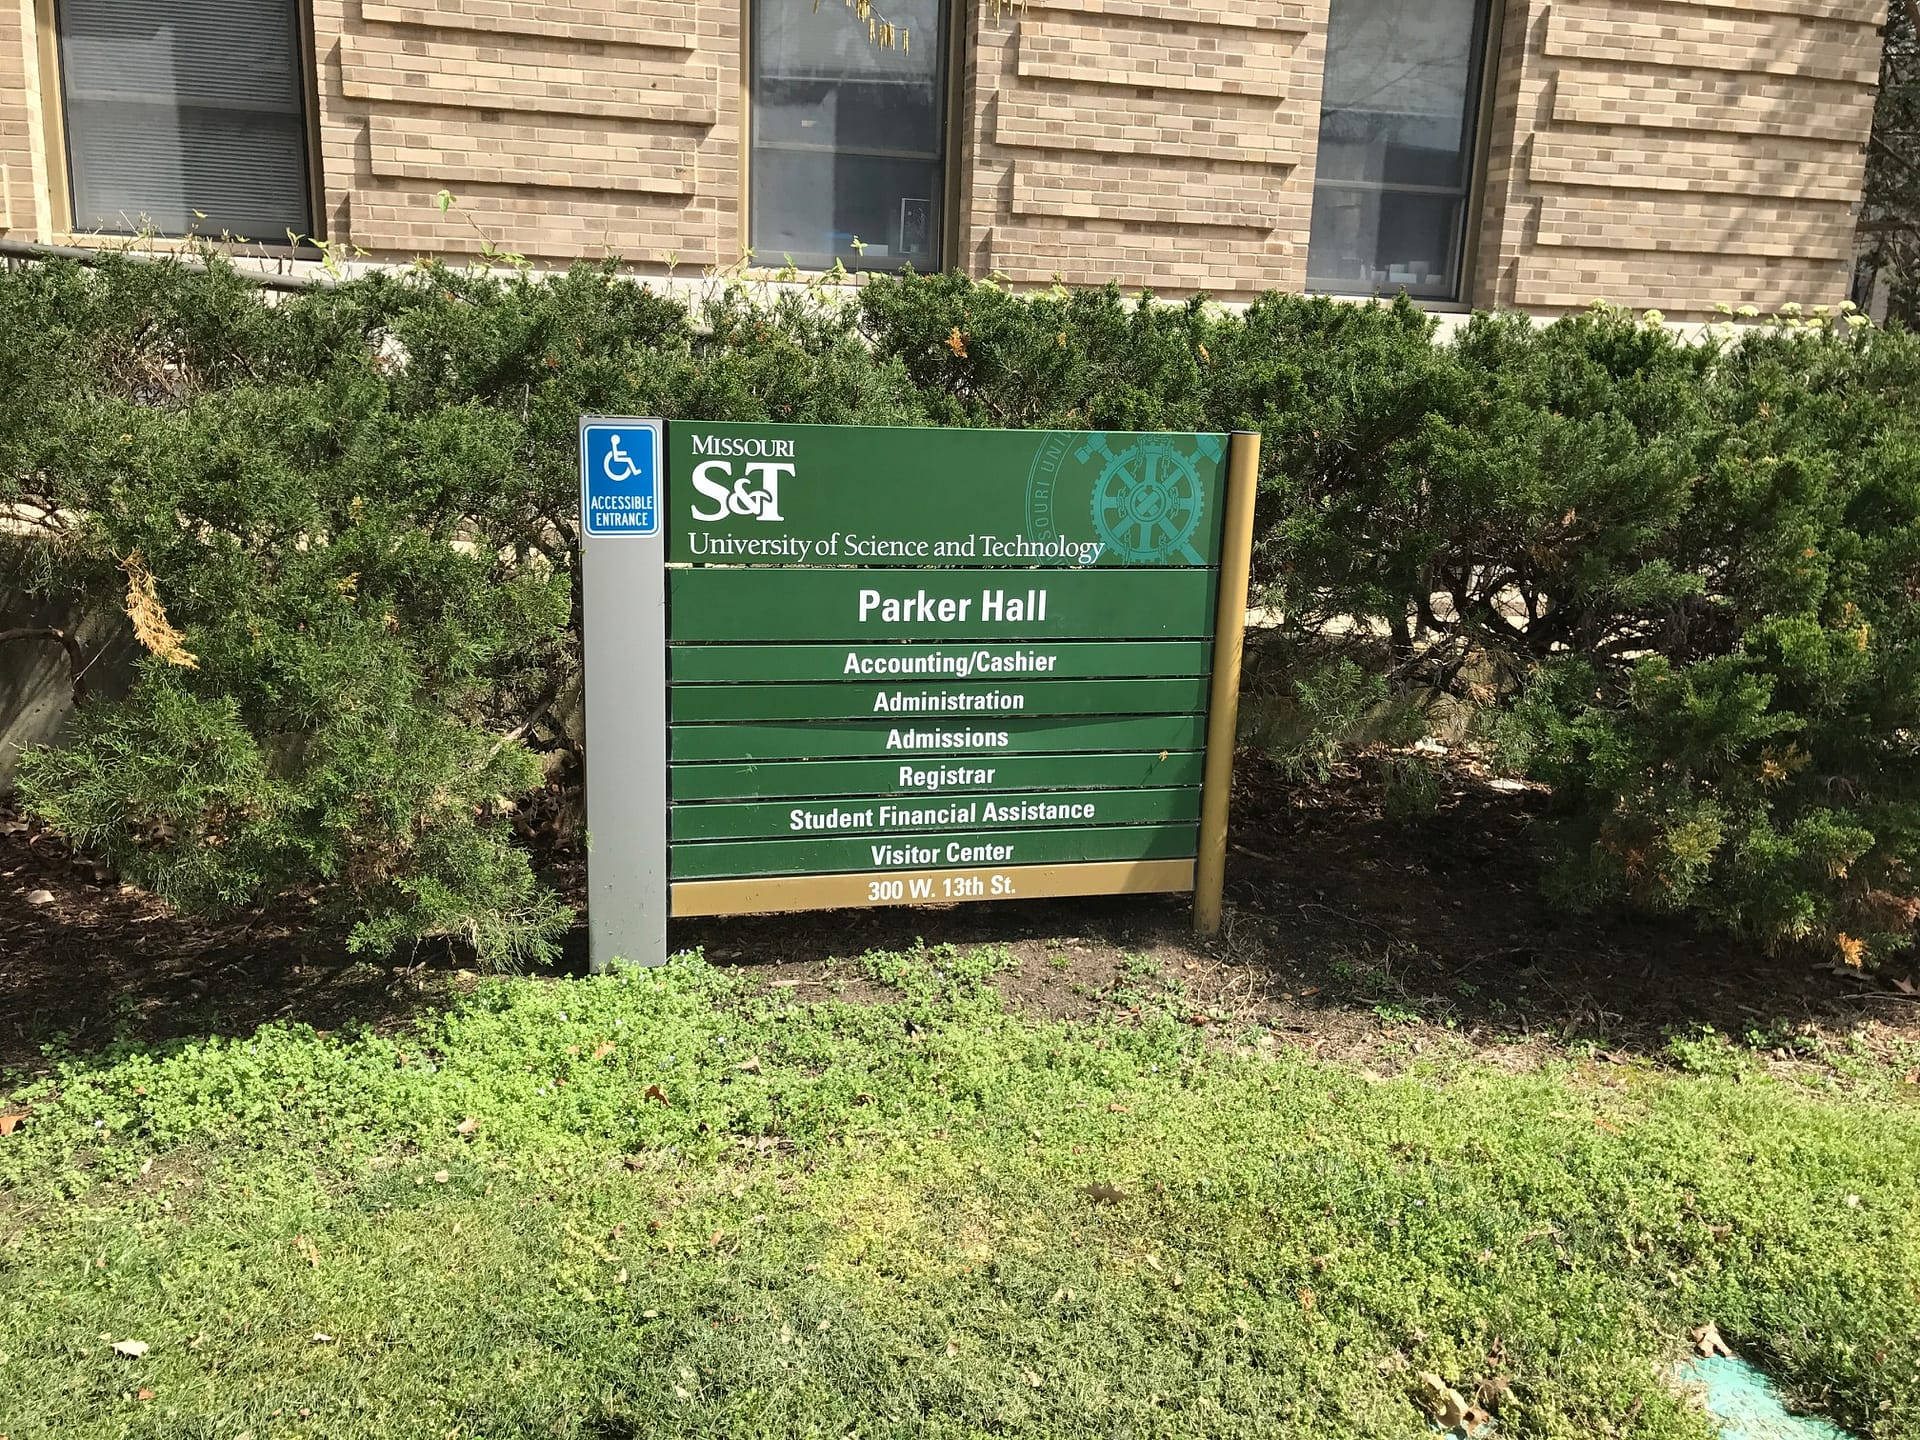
{"x":1680,"y":581}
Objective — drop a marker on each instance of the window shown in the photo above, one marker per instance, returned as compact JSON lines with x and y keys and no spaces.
{"x":1396,"y":142}
{"x":185,"y":116}
{"x":849,"y":137}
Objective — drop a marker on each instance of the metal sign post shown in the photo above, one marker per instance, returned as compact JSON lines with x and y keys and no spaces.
{"x":1223,"y":709}
{"x":624,"y":615}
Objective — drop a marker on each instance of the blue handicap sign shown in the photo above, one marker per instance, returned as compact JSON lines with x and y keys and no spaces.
{"x":620,"y":478}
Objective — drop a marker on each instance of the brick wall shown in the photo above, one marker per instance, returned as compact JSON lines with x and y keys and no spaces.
{"x":19,"y":119}
{"x":1677,"y":154}
{"x":1667,"y":153}
{"x":563,"y":128}
{"x":1157,"y":142}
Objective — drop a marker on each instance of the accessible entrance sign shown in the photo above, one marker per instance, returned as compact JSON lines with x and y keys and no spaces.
{"x":838,"y":666}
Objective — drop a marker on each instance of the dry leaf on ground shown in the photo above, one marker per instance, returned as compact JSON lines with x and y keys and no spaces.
{"x":1446,"y":1406}
{"x":131,"y":1349}
{"x":1706,"y":1340}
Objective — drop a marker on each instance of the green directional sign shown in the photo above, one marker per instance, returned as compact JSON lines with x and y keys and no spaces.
{"x":977,"y":847}
{"x":931,"y":740}
{"x":827,"y":495}
{"x":943,"y":775}
{"x":712,"y":603}
{"x":1072,"y":660}
{"x":790,"y":819}
{"x":860,"y":699}
{"x":842,"y":665}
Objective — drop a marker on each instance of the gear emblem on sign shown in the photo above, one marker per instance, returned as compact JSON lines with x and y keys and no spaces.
{"x":1149,"y":499}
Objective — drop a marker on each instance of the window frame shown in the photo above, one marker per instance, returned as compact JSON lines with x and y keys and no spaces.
{"x":59,"y":158}
{"x":1477,"y":149}
{"x":948,"y":105}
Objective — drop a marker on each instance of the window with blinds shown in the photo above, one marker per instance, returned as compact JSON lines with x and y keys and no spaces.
{"x":185,"y":117}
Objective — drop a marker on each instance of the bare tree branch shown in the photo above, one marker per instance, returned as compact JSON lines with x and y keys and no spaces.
{"x":76,"y":654}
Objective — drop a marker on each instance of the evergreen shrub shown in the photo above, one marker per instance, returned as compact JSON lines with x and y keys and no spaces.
{"x":1678,"y":579}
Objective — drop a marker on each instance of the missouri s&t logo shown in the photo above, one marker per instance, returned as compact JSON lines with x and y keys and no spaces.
{"x":754,"y":491}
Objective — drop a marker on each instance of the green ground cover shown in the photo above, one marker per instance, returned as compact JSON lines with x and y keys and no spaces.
{"x":674,"y":1203}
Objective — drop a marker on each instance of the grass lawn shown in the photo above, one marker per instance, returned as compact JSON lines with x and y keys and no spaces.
{"x":677,"y":1203}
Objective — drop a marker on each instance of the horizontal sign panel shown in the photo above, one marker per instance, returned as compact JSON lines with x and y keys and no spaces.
{"x":1087,"y":660}
{"x":843,"y":495}
{"x":770,"y":893}
{"x":992,"y":700}
{"x":924,"y":740}
{"x":934,"y":777}
{"x":709,"y":603}
{"x":790,"y":819}
{"x":716,"y":858}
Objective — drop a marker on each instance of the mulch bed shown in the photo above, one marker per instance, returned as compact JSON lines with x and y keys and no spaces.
{"x":1346,"y":932}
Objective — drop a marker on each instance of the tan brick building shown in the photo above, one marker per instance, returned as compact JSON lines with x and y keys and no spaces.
{"x":1532,"y":153}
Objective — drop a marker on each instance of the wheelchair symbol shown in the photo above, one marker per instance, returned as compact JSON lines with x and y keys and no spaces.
{"x":627,"y":468}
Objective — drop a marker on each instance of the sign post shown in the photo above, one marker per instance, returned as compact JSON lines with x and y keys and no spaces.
{"x":623,"y":584}
{"x":1223,"y":709}
{"x":843,"y":666}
